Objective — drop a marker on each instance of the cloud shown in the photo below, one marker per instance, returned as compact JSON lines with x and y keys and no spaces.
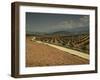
{"x":72,"y":23}
{"x":49,"y":23}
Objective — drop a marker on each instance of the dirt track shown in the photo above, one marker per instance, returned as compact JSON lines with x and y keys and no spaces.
{"x":38,"y":54}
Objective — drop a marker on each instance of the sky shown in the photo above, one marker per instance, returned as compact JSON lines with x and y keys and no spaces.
{"x":47,"y":22}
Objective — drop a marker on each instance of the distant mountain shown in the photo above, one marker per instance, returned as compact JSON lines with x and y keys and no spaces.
{"x":73,"y":31}
{"x":67,"y":32}
{"x":36,"y":33}
{"x":61,"y":33}
{"x":80,"y":29}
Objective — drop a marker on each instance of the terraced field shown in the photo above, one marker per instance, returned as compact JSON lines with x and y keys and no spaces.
{"x":77,"y":42}
{"x":38,"y":54}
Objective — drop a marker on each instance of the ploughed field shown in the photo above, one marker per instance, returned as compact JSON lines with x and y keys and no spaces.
{"x":38,"y":54}
{"x":77,"y":42}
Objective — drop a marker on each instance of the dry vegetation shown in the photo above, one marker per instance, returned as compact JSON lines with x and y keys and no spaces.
{"x":38,"y":54}
{"x":78,"y":42}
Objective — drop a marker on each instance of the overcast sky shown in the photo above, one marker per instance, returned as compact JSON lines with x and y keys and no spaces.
{"x":45,"y":22}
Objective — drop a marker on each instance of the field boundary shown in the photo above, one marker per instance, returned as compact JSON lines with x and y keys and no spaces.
{"x":70,"y":51}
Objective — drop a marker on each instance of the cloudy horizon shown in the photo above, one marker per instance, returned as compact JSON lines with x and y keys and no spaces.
{"x":46,"y":22}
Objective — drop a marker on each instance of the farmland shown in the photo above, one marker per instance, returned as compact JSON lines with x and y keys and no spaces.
{"x":54,"y":39}
{"x":76,"y":42}
{"x":38,"y":54}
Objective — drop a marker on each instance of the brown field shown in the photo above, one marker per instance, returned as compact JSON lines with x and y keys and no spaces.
{"x":38,"y":54}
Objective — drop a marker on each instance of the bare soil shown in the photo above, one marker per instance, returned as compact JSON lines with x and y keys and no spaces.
{"x":38,"y":54}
